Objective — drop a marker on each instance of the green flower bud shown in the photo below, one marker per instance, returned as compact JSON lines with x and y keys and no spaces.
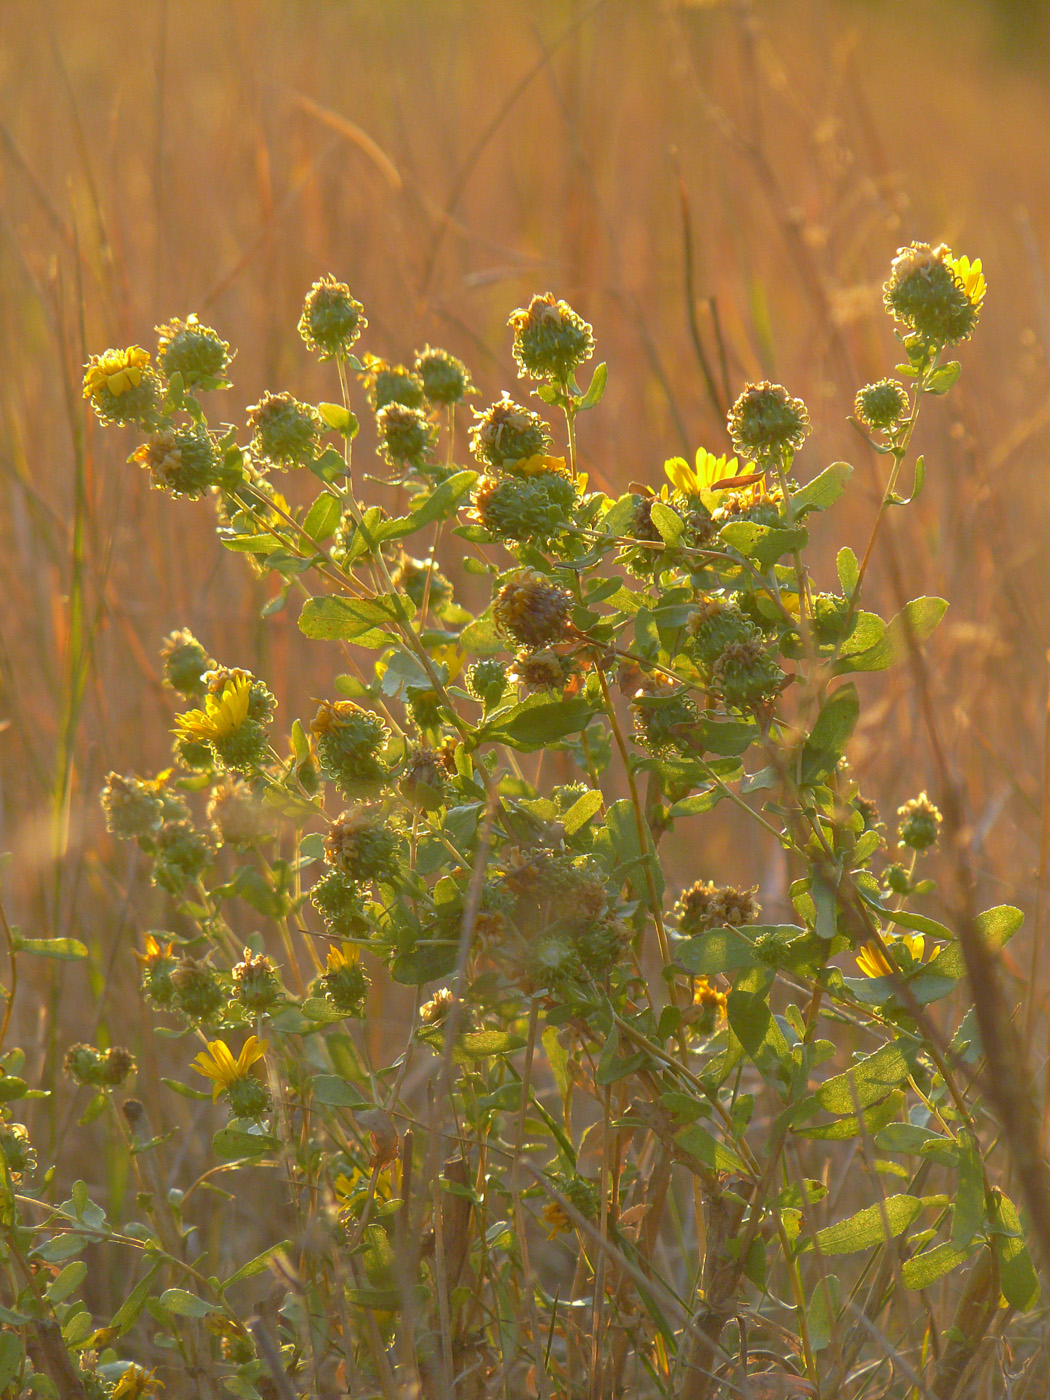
{"x":445,"y":379}
{"x":920,"y":823}
{"x":196,"y":352}
{"x":349,"y":741}
{"x":525,"y":508}
{"x":183,"y":853}
{"x":766,"y":423}
{"x":716,"y":624}
{"x":406,"y":434}
{"x":255,"y":983}
{"x":487,"y":681}
{"x":17,"y":1149}
{"x":746,"y":674}
{"x":185,"y":662}
{"x":332,"y":320}
{"x":180,"y":460}
{"x":247,"y":1097}
{"x":198,"y":992}
{"x":507,"y":433}
{"x":550,"y":340}
{"x":361,"y":845}
{"x":882,"y":405}
{"x":100,"y":1069}
{"x":660,"y":708}
{"x":389,"y":384}
{"x":925,"y":293}
{"x":336,"y":897}
{"x":285,"y":432}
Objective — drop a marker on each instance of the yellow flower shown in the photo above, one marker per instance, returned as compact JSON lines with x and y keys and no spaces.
{"x":557,"y":1219}
{"x":222,"y":716}
{"x":972,"y":278}
{"x":711,"y":473}
{"x":135,"y":1382}
{"x":451,"y":656}
{"x":219,"y":1065}
{"x":155,"y":952}
{"x":116,"y":370}
{"x":872,"y":961}
{"x":338,"y":958}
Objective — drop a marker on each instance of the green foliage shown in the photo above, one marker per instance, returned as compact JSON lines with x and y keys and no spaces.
{"x":413,"y":818}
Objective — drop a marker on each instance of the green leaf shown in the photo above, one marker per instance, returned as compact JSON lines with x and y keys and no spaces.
{"x":866,"y":1082}
{"x":183,"y":1304}
{"x":12,"y":1358}
{"x":538,"y":722}
{"x":337,"y":1092}
{"x":339,"y":419}
{"x":429,"y":507}
{"x":717,"y":950}
{"x":557,"y":1058}
{"x":350,"y":619}
{"x":581,"y":811}
{"x":229,"y":1144}
{"x":823,"y":491}
{"x":67,"y":1282}
{"x":848,"y":570}
{"x":595,"y":389}
{"x":968,"y":1210}
{"x":258,"y":1265}
{"x":870,"y":1121}
{"x":668,"y":522}
{"x":1017,"y":1277}
{"x":477,"y":1045}
{"x":996,"y":926}
{"x":699,"y":1143}
{"x":126,"y":1315}
{"x":823,"y":1312}
{"x":755,"y":1027}
{"x":923,"y":1269}
{"x":64,"y":949}
{"x":322,"y":518}
{"x":831,"y":733}
{"x":763,"y":543}
{"x":912,"y":625}
{"x":868,"y":1227}
{"x":943,"y":377}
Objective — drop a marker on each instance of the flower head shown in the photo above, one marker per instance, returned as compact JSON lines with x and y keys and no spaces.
{"x":222,"y":716}
{"x":193,"y":350}
{"x":218,"y":1065}
{"x":882,"y":405}
{"x":122,"y":387}
{"x":507,"y":433}
{"x":906,"y":950}
{"x":765,"y":423}
{"x":445,"y":379}
{"x":284,"y":431}
{"x":550,"y":339}
{"x":332,"y":320}
{"x":933,"y":293}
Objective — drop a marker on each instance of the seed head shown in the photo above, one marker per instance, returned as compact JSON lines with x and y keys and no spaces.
{"x":337,"y":898}
{"x":180,"y":460}
{"x":746,"y":674}
{"x":361,"y":845}
{"x":284,"y":431}
{"x":349,"y":741}
{"x":445,"y":379}
{"x":332,"y":320}
{"x":544,"y":669}
{"x":550,"y":340}
{"x":239,"y":814}
{"x":345,"y":981}
{"x":406,"y":434}
{"x":931,"y":292}
{"x":198,"y":992}
{"x":388,"y":384}
{"x":920,"y":823}
{"x":184,"y":661}
{"x":507,"y":433}
{"x":765,"y":423}
{"x":524,"y":508}
{"x":706,"y":905}
{"x":196,"y":352}
{"x":255,"y":982}
{"x":532,"y":610}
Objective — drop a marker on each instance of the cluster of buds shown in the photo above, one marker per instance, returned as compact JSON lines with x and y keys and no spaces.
{"x":99,"y":1069}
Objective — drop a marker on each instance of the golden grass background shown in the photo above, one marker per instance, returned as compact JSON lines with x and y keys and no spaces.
{"x":448,"y":160}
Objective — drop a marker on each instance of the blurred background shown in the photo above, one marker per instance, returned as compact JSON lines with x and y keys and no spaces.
{"x":733,"y":177}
